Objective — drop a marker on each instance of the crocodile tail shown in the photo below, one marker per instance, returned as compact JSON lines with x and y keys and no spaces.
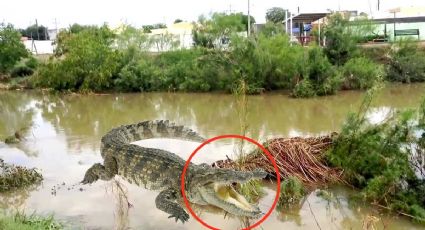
{"x":150,"y":129}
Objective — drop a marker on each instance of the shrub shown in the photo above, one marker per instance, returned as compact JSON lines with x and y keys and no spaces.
{"x":24,"y":68}
{"x":377,"y":159}
{"x":11,"y":47}
{"x":291,"y":192}
{"x":407,"y":62}
{"x":361,"y":73}
{"x":340,"y":41}
{"x":319,"y":77}
{"x":21,"y":71}
{"x":279,"y":63}
{"x":304,"y":88}
{"x":89,"y":64}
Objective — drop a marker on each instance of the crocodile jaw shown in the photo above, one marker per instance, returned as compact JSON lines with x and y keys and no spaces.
{"x":226,"y":198}
{"x":229,"y":194}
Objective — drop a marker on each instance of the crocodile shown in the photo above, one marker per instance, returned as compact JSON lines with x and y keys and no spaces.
{"x":161,"y":170}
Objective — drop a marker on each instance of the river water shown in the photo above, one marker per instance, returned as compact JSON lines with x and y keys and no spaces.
{"x":64,"y":141}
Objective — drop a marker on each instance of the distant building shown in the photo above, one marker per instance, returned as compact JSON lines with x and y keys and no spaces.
{"x":179,"y":33}
{"x":401,"y":18}
{"x":52,"y":33}
{"x":38,"y":47}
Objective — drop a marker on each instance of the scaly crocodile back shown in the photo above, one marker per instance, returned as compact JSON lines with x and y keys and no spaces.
{"x":126,"y":134}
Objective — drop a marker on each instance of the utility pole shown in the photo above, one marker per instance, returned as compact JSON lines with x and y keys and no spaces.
{"x":56,"y":24}
{"x":379,"y":4}
{"x":249,"y":22}
{"x":38,"y":33}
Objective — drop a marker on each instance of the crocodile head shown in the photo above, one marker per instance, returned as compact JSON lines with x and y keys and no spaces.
{"x":214,"y":187}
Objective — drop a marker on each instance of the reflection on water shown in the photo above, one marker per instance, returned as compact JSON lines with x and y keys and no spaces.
{"x":65,"y":138}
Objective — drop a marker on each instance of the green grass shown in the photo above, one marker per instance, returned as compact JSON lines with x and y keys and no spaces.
{"x":20,"y":221}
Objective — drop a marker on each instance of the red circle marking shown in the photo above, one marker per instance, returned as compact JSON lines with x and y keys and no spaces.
{"x":223,"y":137}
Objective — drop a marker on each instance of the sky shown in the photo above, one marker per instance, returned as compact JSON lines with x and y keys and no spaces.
{"x":62,"y":13}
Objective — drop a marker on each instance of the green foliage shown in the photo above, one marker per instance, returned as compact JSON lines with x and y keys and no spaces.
{"x":340,"y":41}
{"x":67,"y":37}
{"x":179,"y":71}
{"x":21,"y":71}
{"x":280,"y":64}
{"x":319,"y":76}
{"x":25,"y":67}
{"x":11,"y":47}
{"x":407,"y":62}
{"x":89,"y":63}
{"x":304,"y":88}
{"x":361,"y":73}
{"x":276,"y":15}
{"x":31,"y":62}
{"x":149,"y":28}
{"x":20,"y":221}
{"x":251,"y":190}
{"x":364,"y":30}
{"x":271,"y":29}
{"x":291,"y":192}
{"x":35,"y":32}
{"x":377,"y":159}
{"x":94,"y":58}
{"x":214,"y":32}
{"x":13,"y":177}
{"x":165,"y":42}
{"x":178,"y":20}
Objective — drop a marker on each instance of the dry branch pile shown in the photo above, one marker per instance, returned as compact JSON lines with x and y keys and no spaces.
{"x":298,"y":157}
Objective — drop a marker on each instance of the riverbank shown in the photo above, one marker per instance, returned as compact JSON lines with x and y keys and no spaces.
{"x":20,"y":221}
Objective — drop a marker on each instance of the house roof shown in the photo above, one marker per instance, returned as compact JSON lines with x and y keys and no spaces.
{"x":400,"y":20}
{"x":309,"y":17}
{"x":176,"y":28}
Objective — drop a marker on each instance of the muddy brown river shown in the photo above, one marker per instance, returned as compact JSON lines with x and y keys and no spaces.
{"x":64,"y":138}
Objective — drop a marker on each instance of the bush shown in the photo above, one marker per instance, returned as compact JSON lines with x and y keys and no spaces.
{"x":407,"y":62}
{"x":340,"y":41}
{"x":291,"y":192}
{"x":279,"y":63}
{"x":304,"y":88}
{"x":21,"y":71}
{"x":89,"y":64}
{"x":361,"y":73}
{"x":377,"y":159}
{"x":24,"y":68}
{"x":319,"y":78}
{"x":11,"y":48}
{"x":31,"y":63}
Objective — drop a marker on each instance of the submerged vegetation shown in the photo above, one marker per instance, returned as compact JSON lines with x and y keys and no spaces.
{"x":14,"y":177}
{"x":381,"y":159}
{"x":292,"y":191}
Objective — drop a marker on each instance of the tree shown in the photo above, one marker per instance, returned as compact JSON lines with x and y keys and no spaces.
{"x":220,"y":26}
{"x":178,"y":20}
{"x":11,"y":47}
{"x":90,"y":62}
{"x":149,"y":28}
{"x":276,"y":15}
{"x":65,"y":35}
{"x":340,"y":40}
{"x":35,"y":32}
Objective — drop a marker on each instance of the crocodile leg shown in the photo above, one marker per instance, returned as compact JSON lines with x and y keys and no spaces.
{"x":166,"y":201}
{"x":98,"y":171}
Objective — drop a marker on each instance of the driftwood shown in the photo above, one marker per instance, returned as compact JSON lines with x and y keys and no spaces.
{"x":302,"y":158}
